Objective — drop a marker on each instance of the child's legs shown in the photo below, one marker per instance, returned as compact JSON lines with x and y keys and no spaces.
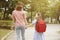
{"x":41,"y":36}
{"x":35,"y":36}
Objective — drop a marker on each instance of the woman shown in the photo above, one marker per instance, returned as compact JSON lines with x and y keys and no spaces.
{"x":19,"y":19}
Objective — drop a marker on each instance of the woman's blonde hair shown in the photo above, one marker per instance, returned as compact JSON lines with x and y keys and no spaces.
{"x":19,"y":6}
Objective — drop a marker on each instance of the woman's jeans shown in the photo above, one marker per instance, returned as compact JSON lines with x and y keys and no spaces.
{"x":22,"y":29}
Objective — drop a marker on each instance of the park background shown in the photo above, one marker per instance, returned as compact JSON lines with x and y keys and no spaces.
{"x":50,"y":10}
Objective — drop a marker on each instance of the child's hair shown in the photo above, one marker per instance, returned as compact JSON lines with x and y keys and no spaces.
{"x":38,"y":15}
{"x":19,"y":6}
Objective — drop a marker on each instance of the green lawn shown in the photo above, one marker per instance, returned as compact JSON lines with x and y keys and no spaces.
{"x":5,"y":20}
{"x":3,"y":32}
{"x":5,"y":23}
{"x":58,"y":32}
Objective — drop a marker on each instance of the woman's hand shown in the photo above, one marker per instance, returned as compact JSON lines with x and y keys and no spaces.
{"x":29,"y":25}
{"x":12,"y":26}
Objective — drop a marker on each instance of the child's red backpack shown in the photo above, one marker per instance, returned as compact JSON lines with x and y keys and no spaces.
{"x":40,"y":26}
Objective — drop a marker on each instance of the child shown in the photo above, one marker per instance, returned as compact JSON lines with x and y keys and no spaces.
{"x":37,"y":35}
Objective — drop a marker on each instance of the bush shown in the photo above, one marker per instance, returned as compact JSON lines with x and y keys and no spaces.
{"x":5,"y":24}
{"x":3,"y":32}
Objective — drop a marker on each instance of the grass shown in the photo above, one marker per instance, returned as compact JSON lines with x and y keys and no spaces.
{"x":5,"y":23}
{"x":58,"y":32}
{"x":3,"y":32}
{"x":5,"y":20}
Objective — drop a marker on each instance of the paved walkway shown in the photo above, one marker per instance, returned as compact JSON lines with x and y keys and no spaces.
{"x":50,"y":34}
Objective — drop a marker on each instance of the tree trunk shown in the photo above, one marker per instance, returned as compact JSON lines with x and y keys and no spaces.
{"x":4,"y":13}
{"x":31,"y":16}
{"x":58,"y":19}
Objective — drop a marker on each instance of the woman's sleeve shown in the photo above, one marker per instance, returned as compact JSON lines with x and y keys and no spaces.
{"x":24,"y":15}
{"x":13,"y":17}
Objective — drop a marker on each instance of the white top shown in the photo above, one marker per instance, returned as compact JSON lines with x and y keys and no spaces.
{"x":37,"y":35}
{"x":34,"y":21}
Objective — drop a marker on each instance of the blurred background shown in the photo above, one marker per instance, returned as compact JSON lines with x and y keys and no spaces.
{"x":50,"y":10}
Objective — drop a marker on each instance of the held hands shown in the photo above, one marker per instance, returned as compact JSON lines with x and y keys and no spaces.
{"x":29,"y":25}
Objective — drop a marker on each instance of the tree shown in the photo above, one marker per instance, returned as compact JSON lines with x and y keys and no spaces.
{"x":39,"y":6}
{"x":53,"y":9}
{"x":57,"y":6}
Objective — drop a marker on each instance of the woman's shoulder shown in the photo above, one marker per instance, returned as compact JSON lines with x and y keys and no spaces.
{"x":13,"y":11}
{"x":24,"y":12}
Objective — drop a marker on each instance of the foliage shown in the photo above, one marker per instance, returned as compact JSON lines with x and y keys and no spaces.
{"x":53,"y":9}
{"x":48,"y":8}
{"x":5,"y":24}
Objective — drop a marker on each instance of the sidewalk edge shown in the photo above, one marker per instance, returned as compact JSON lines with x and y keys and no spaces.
{"x":7,"y":35}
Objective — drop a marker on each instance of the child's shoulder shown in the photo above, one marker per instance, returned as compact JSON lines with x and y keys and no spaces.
{"x":34,"y":21}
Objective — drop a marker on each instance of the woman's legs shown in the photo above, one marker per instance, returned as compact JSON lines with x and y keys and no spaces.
{"x":23,"y":33}
{"x":17,"y":32}
{"x":22,"y":29}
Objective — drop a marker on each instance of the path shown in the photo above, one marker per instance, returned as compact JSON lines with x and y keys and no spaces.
{"x":50,"y":34}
